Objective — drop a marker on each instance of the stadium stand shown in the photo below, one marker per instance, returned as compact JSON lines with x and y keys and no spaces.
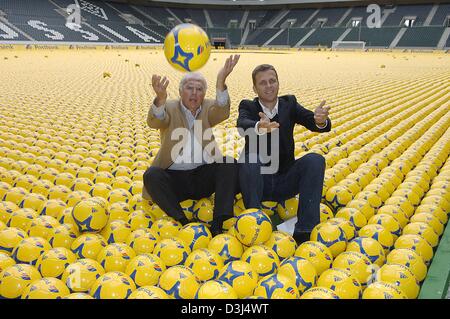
{"x":420,"y":13}
{"x":111,"y":22}
{"x":421,"y":37}
{"x":261,"y":36}
{"x":329,"y":16}
{"x":299,"y":15}
{"x":381,"y":37}
{"x":222,"y":18}
{"x":441,"y":14}
{"x":323,"y":37}
{"x":153,"y":14}
{"x":357,"y":13}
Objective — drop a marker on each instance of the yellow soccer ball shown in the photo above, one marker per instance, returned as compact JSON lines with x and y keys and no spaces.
{"x":112,"y":285}
{"x":5,"y":261}
{"x":195,"y":235}
{"x":143,"y":241}
{"x":379,"y":233}
{"x":423,"y":230}
{"x":42,"y":226}
{"x":429,"y":219}
{"x":139,"y":219}
{"x":116,"y":231}
{"x":22,"y":218}
{"x":216,"y":289}
{"x":331,"y":236}
{"x":53,"y":208}
{"x":269,"y":207}
{"x":101,"y":189}
{"x":187,"y":47}
{"x":357,"y":264}
{"x":288,"y":209}
{"x":227,"y":246}
{"x":388,"y":222}
{"x":115,"y":257}
{"x":33,"y":201}
{"x":410,"y":259}
{"x":326,"y":212}
{"x":172,"y":251}
{"x":282,"y":243}
{"x":88,"y":245}
{"x":205,"y":263}
{"x":10,"y":237}
{"x":46,"y":288}
{"x":29,"y":250}
{"x":135,"y":202}
{"x":300,"y":271}
{"x":119,"y":211}
{"x":317,"y":253}
{"x":370,"y":248}
{"x":241,"y":276}
{"x":166,"y":227}
{"x":203,"y":211}
{"x":341,"y":282}
{"x":189,"y":207}
{"x":400,"y":276}
{"x":338,"y":196}
{"x":253,"y":227}
{"x":80,"y":275}
{"x":276,"y":286}
{"x":179,"y":282}
{"x":149,"y":292}
{"x":145,"y":270}
{"x":353,"y":215}
{"x":90,"y":216}
{"x":53,"y":262}
{"x":416,"y":243}
{"x":15,"y":279}
{"x":383,"y":290}
{"x":6,"y":209}
{"x":319,"y":293}
{"x":263,"y":259}
{"x":347,"y":227}
{"x":119,"y":195}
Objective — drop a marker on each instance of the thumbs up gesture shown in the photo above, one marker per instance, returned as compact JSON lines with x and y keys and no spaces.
{"x":265,"y":125}
{"x":321,"y":114}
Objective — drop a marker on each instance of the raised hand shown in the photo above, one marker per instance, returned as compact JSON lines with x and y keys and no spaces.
{"x":321,"y":113}
{"x":225,"y":71}
{"x":265,"y":125}
{"x":160,"y":88}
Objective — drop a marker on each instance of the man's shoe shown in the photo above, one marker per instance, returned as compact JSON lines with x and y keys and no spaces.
{"x":301,"y":236}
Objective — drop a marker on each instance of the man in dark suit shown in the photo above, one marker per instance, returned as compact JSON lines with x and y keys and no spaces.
{"x":270,"y":119}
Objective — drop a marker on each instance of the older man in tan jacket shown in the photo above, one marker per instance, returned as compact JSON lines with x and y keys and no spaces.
{"x":191,"y":167}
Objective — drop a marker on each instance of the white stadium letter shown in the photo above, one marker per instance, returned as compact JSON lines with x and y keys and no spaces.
{"x":39,"y":25}
{"x":104,"y":27}
{"x":10,"y":33}
{"x":374,"y":20}
{"x":86,"y":34}
{"x":74,"y":15}
{"x":142,"y":35}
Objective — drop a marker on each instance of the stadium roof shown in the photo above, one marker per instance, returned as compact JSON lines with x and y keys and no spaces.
{"x":274,"y":3}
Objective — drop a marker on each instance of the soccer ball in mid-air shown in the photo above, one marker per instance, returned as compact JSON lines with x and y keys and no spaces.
{"x":187,"y":47}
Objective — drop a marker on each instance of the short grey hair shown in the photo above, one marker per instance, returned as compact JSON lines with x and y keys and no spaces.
{"x":195,"y":76}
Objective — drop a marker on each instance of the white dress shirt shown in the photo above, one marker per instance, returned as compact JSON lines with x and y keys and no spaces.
{"x":271,"y":114}
{"x":192,"y":154}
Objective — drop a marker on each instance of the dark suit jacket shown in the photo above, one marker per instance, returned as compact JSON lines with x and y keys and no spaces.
{"x":290,"y":112}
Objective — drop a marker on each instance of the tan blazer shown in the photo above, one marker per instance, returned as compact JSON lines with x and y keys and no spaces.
{"x":210,"y":115}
